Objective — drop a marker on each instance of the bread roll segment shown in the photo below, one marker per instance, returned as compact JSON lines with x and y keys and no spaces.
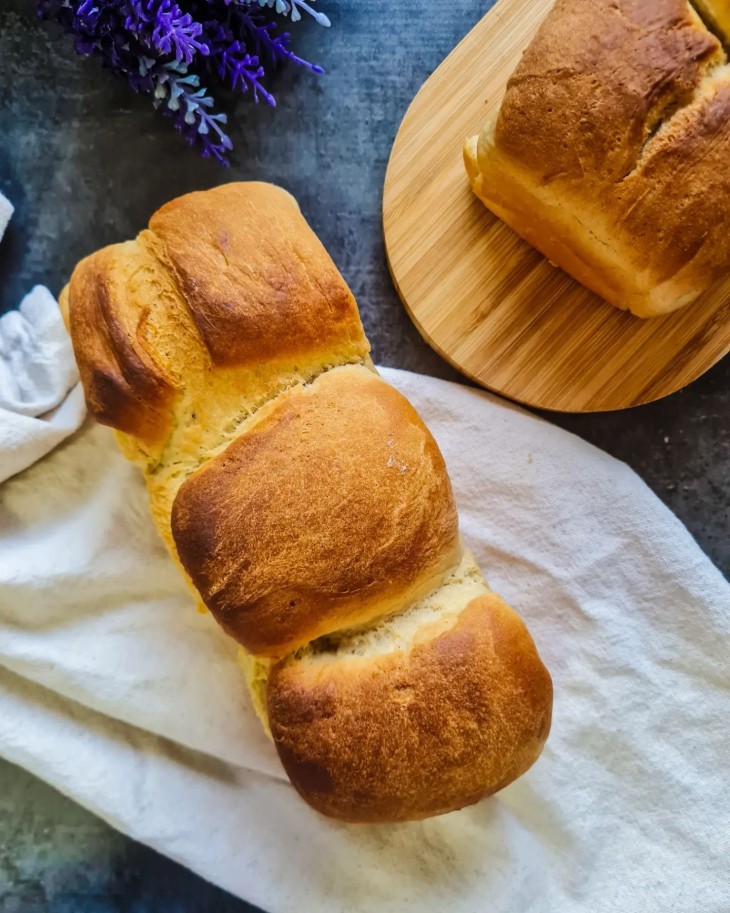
{"x":420,"y":715}
{"x":609,"y":153}
{"x":331,"y":508}
{"x":309,"y":508}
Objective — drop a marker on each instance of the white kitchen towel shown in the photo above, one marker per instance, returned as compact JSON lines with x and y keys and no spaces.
{"x":6,"y":211}
{"x":37,"y":371}
{"x":118,"y":692}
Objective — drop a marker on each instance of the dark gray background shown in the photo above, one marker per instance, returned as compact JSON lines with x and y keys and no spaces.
{"x":85,"y":163}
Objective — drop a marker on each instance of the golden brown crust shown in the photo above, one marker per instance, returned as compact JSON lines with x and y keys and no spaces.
{"x":675,"y":204}
{"x":412,"y":733}
{"x":230,"y":278}
{"x":605,"y":154}
{"x":258,"y":286}
{"x":332,"y":507}
{"x":305,"y":495}
{"x":125,"y":387}
{"x":598,"y":78}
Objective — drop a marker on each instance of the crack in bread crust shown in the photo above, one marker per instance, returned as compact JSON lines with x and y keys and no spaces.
{"x":661,"y":120}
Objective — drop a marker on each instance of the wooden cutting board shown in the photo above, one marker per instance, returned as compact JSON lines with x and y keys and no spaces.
{"x":483,"y":298}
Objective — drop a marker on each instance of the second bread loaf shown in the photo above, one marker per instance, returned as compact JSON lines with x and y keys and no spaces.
{"x":610,"y":151}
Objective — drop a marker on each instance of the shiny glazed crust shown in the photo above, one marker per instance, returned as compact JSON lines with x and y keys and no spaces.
{"x":610,"y":151}
{"x":308,"y":506}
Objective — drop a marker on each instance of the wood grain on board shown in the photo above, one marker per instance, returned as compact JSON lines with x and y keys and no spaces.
{"x":487,"y":301}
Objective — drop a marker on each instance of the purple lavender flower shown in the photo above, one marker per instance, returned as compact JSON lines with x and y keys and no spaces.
{"x":165,"y":49}
{"x":163,"y":26}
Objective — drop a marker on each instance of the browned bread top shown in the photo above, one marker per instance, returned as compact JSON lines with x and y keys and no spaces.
{"x":675,"y":204}
{"x":610,"y":151}
{"x":127,"y":379}
{"x":257,"y":289}
{"x":211,"y":285}
{"x":331,"y":507}
{"x":397,"y":729}
{"x":597,"y":80}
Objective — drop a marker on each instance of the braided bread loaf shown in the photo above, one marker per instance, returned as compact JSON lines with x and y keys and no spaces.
{"x":308,"y":506}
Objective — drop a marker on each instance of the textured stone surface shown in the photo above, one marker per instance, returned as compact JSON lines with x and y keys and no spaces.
{"x":57,"y":858}
{"x":86,"y":162}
